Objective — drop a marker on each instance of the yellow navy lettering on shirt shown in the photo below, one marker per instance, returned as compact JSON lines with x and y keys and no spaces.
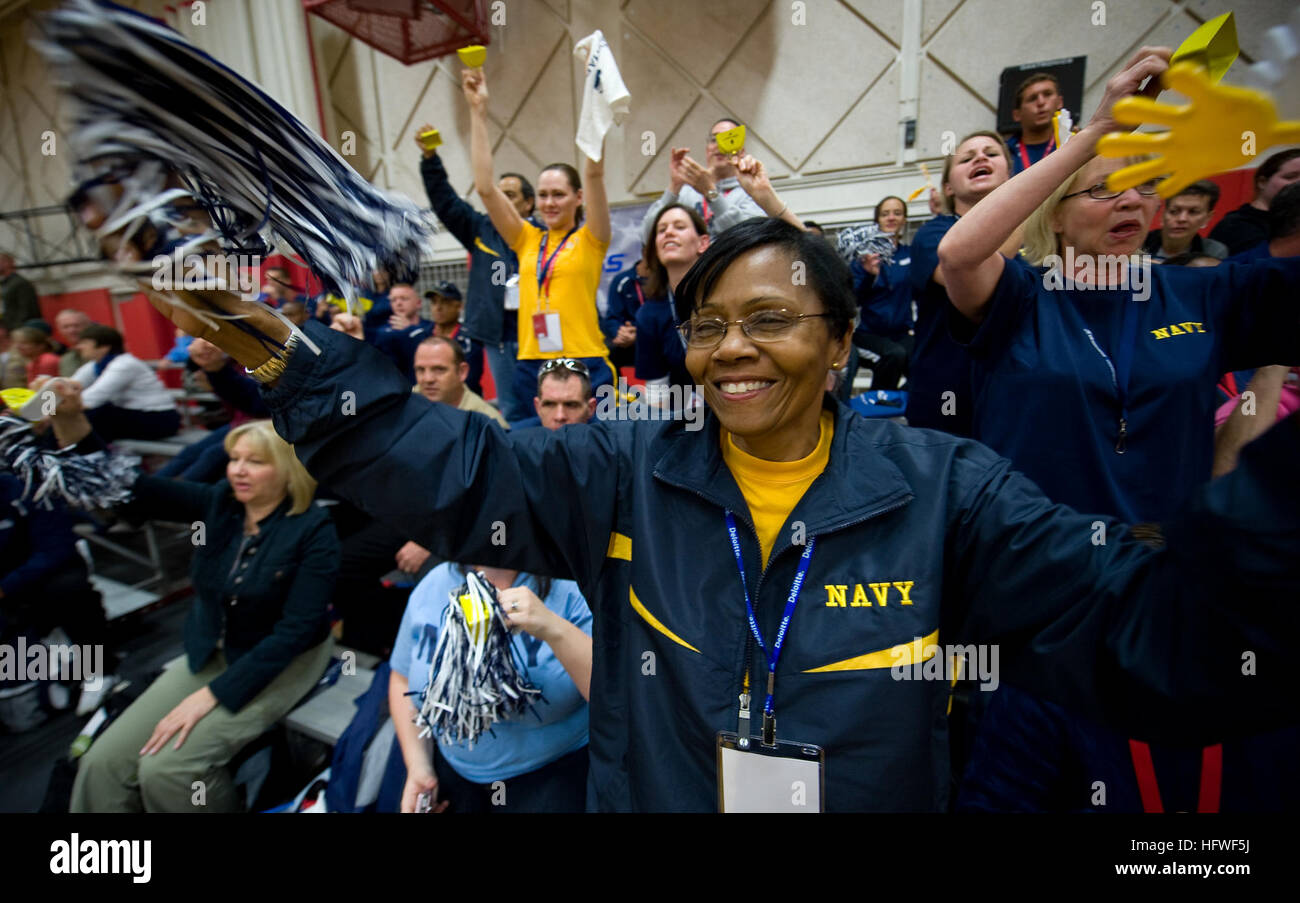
{"x":1173,"y":329}
{"x":897,"y":591}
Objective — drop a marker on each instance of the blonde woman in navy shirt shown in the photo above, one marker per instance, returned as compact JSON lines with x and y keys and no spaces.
{"x":1101,"y":390}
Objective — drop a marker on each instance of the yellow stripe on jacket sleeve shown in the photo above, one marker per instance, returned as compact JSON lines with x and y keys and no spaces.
{"x":620,"y":546}
{"x":478,"y":243}
{"x":903,"y":654}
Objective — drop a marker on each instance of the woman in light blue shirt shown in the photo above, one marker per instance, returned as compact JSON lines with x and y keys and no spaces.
{"x":534,"y":762}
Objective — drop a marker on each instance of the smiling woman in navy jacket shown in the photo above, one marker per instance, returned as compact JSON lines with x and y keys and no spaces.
{"x":1102,"y":393}
{"x":256,"y":640}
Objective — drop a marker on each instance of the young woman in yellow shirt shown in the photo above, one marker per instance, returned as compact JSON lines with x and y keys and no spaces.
{"x":559,"y":262}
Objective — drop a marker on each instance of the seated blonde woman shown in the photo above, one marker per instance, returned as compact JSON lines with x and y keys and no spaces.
{"x":256,"y":640}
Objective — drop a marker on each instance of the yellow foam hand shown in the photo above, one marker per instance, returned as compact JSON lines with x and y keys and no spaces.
{"x":1222,"y":128}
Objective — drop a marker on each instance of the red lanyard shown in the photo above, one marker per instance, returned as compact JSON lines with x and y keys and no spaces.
{"x":544,"y":269}
{"x":1211,"y":777}
{"x":636,"y":284}
{"x":1024,"y":154}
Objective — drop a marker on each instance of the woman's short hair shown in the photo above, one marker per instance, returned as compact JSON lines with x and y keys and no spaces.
{"x":261,"y":435}
{"x":33,"y":335}
{"x":99,"y":334}
{"x":826,"y":273}
{"x":948,"y":160}
{"x":656,"y":284}
{"x":575,"y":182}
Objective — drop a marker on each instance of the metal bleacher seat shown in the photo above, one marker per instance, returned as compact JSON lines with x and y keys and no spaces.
{"x":166,"y":448}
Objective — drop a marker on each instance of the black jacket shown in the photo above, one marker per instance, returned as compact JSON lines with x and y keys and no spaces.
{"x":491,"y":261}
{"x":1242,"y":229}
{"x":919,"y":535}
{"x":267,"y":605}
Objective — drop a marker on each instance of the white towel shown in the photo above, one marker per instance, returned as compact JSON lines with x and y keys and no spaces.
{"x":605,"y":99}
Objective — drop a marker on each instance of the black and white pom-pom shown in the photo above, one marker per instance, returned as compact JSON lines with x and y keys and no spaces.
{"x":137,"y":90}
{"x":866,"y":238}
{"x":476,"y":678}
{"x":97,"y":480}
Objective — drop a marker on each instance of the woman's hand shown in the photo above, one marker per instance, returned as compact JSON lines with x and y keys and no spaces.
{"x":524,"y":611}
{"x":626,"y":335}
{"x":474,"y":84}
{"x":69,"y":417}
{"x":347,"y":323}
{"x":418,"y":782}
{"x":1149,"y":62}
{"x":753,"y":178}
{"x":180,"y":719}
{"x":870,"y":263}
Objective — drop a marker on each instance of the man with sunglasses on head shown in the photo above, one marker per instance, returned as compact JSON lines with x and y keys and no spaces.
{"x":713,"y":190}
{"x":564,"y":395}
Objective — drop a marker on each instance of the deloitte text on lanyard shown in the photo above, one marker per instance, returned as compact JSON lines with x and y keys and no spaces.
{"x":1122,"y":368}
{"x":544,"y":269}
{"x":769,"y":715}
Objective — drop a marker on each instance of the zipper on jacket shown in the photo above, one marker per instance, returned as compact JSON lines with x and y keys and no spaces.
{"x":742,"y":720}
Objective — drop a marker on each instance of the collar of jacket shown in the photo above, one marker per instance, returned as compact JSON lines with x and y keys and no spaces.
{"x":858,"y":483}
{"x":236,"y":506}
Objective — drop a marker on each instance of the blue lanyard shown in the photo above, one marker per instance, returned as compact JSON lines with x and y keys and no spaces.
{"x":1122,"y":368}
{"x":769,"y":716}
{"x":544,"y":269}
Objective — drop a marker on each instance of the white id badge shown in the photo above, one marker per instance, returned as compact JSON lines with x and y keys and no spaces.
{"x":512,"y":293}
{"x":782,"y":778}
{"x":546,"y":327}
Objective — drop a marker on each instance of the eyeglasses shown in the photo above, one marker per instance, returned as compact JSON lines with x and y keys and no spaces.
{"x":761,"y":326}
{"x":1100,"y":192}
{"x":564,"y":363}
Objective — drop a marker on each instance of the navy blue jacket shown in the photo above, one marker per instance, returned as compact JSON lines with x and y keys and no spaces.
{"x":885,"y":301}
{"x":622,"y":300}
{"x":486,"y":318}
{"x":35,"y":542}
{"x":934,"y":537}
{"x":939,"y":371}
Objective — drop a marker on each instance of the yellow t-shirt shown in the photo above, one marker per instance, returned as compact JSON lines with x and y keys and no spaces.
{"x":574,"y":280}
{"x":773,"y":488}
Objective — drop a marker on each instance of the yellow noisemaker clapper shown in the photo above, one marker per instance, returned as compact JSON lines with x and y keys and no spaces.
{"x":478,"y":616}
{"x":732,"y":141}
{"x":1213,"y":45}
{"x":14,"y":399}
{"x":473,"y":56}
{"x":430,"y":139}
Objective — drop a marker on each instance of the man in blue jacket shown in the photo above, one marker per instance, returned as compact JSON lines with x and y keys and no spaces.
{"x":490,"y":317}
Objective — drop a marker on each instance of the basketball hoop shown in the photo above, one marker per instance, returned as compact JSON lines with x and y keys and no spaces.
{"x":409,"y":30}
